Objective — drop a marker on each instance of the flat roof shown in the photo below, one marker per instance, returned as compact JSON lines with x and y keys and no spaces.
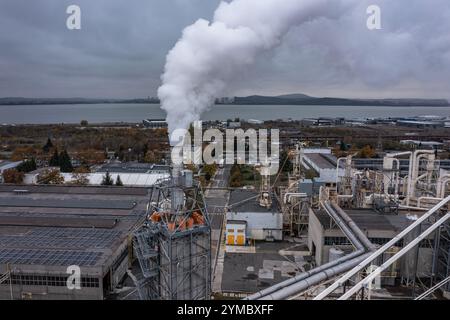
{"x":321,"y":160}
{"x":56,"y":226}
{"x":242,"y":200}
{"x":250,"y":272}
{"x":367,"y":219}
{"x":133,"y":167}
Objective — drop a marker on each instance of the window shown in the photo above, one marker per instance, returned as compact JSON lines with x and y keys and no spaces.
{"x":51,"y":281}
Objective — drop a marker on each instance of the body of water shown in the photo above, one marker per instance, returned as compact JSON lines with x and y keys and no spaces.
{"x":98,"y":113}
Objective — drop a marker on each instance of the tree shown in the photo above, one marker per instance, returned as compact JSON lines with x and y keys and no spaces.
{"x":107,"y":180}
{"x":150,"y":157}
{"x":84,"y":123}
{"x":21,"y":153}
{"x":48,"y":146}
{"x":65,"y":163}
{"x":119,"y":181}
{"x":27,"y":166}
{"x":209,"y":170}
{"x":236,"y":177}
{"x":54,"y":160}
{"x":286,"y":161}
{"x":50,"y":176}
{"x":13,"y":176}
{"x":80,"y":176}
{"x":367,"y":152}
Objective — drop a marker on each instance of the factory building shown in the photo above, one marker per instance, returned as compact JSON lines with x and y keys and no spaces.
{"x":421,"y":124}
{"x":327,"y":242}
{"x":322,"y":162}
{"x":46,"y":229}
{"x":132,"y":174}
{"x":262,"y":223}
{"x":155,"y":123}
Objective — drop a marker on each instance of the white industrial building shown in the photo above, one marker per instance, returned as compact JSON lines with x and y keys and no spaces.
{"x":131,"y":174}
{"x":322,"y":162}
{"x":261,"y":223}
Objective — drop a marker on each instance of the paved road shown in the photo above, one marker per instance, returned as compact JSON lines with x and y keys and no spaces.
{"x":216,"y":200}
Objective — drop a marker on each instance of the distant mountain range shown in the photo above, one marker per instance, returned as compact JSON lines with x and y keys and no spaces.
{"x":301,"y":99}
{"x":49,"y":101}
{"x":288,"y":99}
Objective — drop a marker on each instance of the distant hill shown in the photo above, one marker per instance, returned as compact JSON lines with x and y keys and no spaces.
{"x":295,"y":96}
{"x":301,"y":99}
{"x":287,"y":99}
{"x":50,"y":101}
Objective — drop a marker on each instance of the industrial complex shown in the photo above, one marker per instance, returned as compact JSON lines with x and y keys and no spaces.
{"x":331,"y":228}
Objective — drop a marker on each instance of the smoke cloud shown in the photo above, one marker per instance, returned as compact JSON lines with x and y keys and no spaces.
{"x":210,"y":54}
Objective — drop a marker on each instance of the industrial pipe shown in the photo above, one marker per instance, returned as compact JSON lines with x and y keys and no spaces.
{"x":363,"y":283}
{"x":324,"y":272}
{"x":381,"y":250}
{"x":354,"y":227}
{"x":298,"y":194}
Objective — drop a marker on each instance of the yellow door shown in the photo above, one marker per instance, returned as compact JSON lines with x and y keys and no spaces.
{"x":230,"y":239}
{"x":240,"y":240}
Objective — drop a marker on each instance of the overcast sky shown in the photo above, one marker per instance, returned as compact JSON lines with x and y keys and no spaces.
{"x":120,"y":50}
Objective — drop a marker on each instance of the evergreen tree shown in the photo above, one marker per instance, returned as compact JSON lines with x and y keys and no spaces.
{"x":64,"y":162}
{"x":27,"y":166}
{"x":119,"y":182}
{"x":107,"y":180}
{"x":48,"y":146}
{"x":54,"y":160}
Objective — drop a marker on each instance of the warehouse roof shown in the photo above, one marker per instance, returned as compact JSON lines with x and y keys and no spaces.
{"x":133,"y":167}
{"x":57,"y":226}
{"x":248,"y":201}
{"x":368,"y":219}
{"x":323,"y":161}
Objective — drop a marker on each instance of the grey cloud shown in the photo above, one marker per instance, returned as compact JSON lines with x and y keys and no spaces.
{"x":121,"y":49}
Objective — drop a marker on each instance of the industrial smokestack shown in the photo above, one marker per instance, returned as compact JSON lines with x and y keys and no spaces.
{"x":209,"y":54}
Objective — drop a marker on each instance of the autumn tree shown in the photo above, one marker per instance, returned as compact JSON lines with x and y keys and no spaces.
{"x":21,"y":153}
{"x":13,"y":176}
{"x":367,"y":152}
{"x":50,"y":176}
{"x":80,"y":176}
{"x":209,"y":170}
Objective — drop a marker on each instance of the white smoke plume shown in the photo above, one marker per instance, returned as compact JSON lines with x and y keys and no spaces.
{"x":210,"y":54}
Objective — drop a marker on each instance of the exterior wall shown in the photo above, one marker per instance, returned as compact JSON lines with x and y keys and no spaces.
{"x":128,"y":179}
{"x":315,"y":235}
{"x":47,"y":288}
{"x":260,"y":224}
{"x":236,"y":234}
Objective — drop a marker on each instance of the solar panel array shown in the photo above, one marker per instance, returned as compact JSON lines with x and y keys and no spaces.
{"x":67,"y":203}
{"x":50,"y":258}
{"x":61,"y":238}
{"x":56,"y":246}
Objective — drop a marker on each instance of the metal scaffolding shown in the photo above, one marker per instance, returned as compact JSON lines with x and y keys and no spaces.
{"x":174,"y":246}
